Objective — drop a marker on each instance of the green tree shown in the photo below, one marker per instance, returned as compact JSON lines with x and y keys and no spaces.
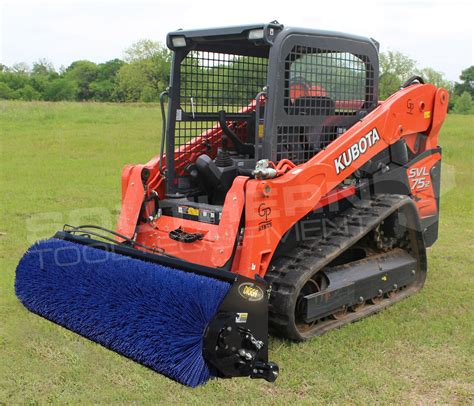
{"x":103,"y":88}
{"x":463,"y":104}
{"x":42,"y":74}
{"x":130,"y":83}
{"x":395,"y":68}
{"x":27,"y":93}
{"x":109,"y":69}
{"x":43,"y":67}
{"x":83,"y":73}
{"x":467,"y":85}
{"x":14,"y":80}
{"x":147,"y":72}
{"x":21,"y":68}
{"x":6,"y":92}
{"x":436,"y":78}
{"x":60,"y":89}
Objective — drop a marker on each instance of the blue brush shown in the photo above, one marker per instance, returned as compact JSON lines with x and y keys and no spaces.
{"x":150,"y":313}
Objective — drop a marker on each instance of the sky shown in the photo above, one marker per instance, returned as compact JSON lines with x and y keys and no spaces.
{"x":436,"y":33}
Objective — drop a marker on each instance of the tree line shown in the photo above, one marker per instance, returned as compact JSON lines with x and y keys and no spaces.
{"x":396,"y":67}
{"x":143,"y":74}
{"x":140,"y":76}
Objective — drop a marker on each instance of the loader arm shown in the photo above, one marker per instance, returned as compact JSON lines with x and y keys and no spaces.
{"x":288,"y":198}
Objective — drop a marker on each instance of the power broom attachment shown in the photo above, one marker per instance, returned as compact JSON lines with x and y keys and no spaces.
{"x":185,"y":321}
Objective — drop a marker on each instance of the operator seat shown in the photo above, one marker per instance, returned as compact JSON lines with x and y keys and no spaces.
{"x":305,"y":142}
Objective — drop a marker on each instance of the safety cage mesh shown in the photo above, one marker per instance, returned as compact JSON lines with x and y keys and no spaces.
{"x":211,"y":82}
{"x":330,"y":88}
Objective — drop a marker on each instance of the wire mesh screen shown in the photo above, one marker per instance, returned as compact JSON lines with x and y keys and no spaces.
{"x":199,"y":137}
{"x":330,"y":88}
{"x":300,"y":143}
{"x":211,"y":82}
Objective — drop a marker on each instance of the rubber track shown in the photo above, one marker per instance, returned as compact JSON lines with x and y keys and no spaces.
{"x":311,"y":256}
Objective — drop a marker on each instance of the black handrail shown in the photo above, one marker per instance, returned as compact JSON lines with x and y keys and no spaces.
{"x":260,"y":95}
{"x":163,"y":130}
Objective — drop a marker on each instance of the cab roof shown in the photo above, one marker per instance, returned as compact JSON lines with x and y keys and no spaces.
{"x":235,"y":39}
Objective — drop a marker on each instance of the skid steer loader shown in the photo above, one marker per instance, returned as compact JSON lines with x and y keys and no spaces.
{"x":284,"y":196}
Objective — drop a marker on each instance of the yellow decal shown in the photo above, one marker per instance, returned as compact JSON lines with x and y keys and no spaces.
{"x":241,"y":317}
{"x":251,"y":292}
{"x":427,"y":114}
{"x":384,"y":278}
{"x":193,"y":212}
{"x":260,"y":131}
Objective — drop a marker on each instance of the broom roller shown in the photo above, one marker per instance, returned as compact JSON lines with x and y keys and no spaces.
{"x":183,"y":321}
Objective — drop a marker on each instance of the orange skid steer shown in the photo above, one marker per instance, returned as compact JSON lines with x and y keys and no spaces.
{"x":285,"y":198}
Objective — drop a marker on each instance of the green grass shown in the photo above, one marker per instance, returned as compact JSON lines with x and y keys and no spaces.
{"x":62,"y":162}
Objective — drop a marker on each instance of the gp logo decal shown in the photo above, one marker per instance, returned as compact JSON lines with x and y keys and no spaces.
{"x":264,"y":212}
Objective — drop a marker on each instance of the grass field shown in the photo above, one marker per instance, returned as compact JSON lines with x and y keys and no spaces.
{"x":61,"y":163}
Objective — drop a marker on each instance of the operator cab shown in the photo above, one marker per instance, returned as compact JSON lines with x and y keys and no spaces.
{"x":216,"y":77}
{"x":241,"y":94}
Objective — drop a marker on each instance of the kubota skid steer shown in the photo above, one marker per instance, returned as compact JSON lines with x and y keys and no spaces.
{"x":287,"y":197}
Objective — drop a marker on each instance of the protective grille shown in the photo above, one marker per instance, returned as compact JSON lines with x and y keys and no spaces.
{"x":198,"y":137}
{"x":300,"y":143}
{"x":329,"y":88}
{"x":211,"y":82}
{"x":194,"y":130}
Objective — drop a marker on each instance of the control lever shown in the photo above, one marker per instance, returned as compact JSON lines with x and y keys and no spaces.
{"x":241,"y":147}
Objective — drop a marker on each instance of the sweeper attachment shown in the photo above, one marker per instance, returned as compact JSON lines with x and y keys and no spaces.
{"x":285,"y":197}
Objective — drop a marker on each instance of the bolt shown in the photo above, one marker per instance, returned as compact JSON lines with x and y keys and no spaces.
{"x":229,"y":328}
{"x":413,"y":272}
{"x":380,"y":292}
{"x":361,"y":299}
{"x":395,"y":286}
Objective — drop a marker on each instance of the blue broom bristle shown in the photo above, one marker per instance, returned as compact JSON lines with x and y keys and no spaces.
{"x":153,"y":314}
